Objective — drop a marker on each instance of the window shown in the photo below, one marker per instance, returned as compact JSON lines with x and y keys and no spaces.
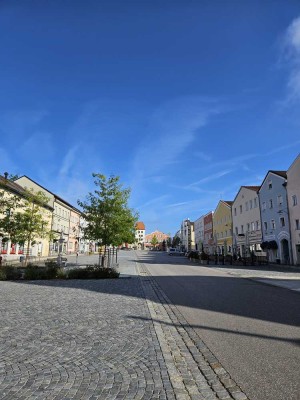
{"x":255,"y":202}
{"x":279,"y":200}
{"x":265,"y":225}
{"x":282,"y":222}
{"x":294,"y":200}
{"x":297,"y":224}
{"x":270,"y":185}
{"x":241,"y":209}
{"x":236,"y":230}
{"x":270,"y":203}
{"x":251,"y":204}
{"x":273,"y":224}
{"x":247,"y":206}
{"x":252,"y":226}
{"x":264,"y":206}
{"x":234,"y":210}
{"x":242,"y":228}
{"x":257,"y":225}
{"x":248,"y":227}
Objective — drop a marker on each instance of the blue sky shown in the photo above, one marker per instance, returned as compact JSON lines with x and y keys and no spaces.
{"x":184,"y":100}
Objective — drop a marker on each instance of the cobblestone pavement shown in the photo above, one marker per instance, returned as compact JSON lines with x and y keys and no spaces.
{"x":102,"y":339}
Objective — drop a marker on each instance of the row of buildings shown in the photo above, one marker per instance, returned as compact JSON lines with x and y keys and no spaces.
{"x":260,"y":220}
{"x":64,"y":220}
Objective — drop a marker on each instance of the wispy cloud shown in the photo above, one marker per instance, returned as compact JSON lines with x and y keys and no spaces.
{"x":282,"y":148}
{"x":158,"y":201}
{"x":291,"y":45}
{"x":183,"y":203}
{"x":210,"y":178}
{"x":202,"y":156}
{"x":172,"y":128}
{"x":68,"y":161}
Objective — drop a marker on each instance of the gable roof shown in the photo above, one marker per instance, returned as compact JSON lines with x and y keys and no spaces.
{"x":17,"y":189}
{"x":11,"y":186}
{"x":53,"y":194}
{"x":294,"y":162}
{"x":254,"y":188}
{"x":281,"y":174}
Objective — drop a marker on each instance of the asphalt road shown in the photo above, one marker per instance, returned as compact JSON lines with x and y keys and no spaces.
{"x":252,"y":328}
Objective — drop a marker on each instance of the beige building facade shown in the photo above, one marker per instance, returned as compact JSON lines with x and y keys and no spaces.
{"x":293,"y":193}
{"x":38,"y":247}
{"x":246,"y":221}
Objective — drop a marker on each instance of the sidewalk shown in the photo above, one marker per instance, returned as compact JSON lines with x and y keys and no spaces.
{"x":287,"y":277}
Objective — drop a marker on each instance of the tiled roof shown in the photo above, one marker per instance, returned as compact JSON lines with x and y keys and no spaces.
{"x":255,"y":188}
{"x":280,"y":173}
{"x":140,"y":226}
{"x":229,"y":202}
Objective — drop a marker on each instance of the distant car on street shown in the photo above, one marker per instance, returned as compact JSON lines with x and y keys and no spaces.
{"x":175,"y":252}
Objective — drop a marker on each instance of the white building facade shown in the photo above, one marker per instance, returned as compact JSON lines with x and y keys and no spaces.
{"x":199,"y":233}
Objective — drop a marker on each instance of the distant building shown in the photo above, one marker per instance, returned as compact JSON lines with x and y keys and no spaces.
{"x":140,"y":235}
{"x":208,"y":232}
{"x":199,"y":233}
{"x":161,"y":240}
{"x":187,"y":235}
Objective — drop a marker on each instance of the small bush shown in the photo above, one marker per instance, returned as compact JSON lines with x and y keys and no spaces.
{"x":52,"y":270}
{"x":2,"y":275}
{"x":33,"y":272}
{"x":93,"y":272}
{"x":61,"y":274}
{"x":11,"y":273}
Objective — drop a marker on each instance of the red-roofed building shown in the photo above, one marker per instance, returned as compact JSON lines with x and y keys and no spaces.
{"x":140,"y":234}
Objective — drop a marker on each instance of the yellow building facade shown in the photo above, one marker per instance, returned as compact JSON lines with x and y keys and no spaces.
{"x":222,"y":228}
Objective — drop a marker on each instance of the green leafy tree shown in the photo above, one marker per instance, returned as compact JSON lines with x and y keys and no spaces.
{"x":110,"y":221}
{"x":29,"y":221}
{"x":175,"y":241}
{"x":154,"y":241}
{"x":169,"y":242}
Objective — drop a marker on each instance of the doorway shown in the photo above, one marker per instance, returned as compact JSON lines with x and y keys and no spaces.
{"x":285,"y":254}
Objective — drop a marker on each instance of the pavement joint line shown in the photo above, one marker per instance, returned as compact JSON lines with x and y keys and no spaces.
{"x":182,"y":347}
